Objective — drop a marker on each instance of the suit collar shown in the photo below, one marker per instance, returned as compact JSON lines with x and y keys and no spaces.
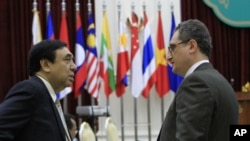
{"x":194,"y":66}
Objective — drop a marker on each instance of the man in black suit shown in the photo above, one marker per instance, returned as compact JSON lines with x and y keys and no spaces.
{"x":28,"y":112}
{"x":205,"y":104}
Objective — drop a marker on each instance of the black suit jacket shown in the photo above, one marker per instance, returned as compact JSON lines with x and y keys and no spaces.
{"x":28,"y":113}
{"x":203,"y":109}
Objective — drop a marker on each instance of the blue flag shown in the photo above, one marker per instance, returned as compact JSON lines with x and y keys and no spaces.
{"x":50,"y":29}
{"x":175,"y":79}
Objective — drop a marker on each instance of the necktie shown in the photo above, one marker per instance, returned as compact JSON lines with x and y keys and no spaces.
{"x":59,"y":109}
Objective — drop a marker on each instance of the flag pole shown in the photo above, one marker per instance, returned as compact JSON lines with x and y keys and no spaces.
{"x":148,"y":100}
{"x":48,"y":7}
{"x":34,"y":5}
{"x":135,"y":99}
{"x":104,"y":7}
{"x":89,"y":10}
{"x":92,"y":98}
{"x":65,"y":99}
{"x":162,"y":99}
{"x":79,"y":99}
{"x":121,"y":105}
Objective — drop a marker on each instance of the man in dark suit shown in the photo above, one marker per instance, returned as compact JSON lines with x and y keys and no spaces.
{"x":205,"y":104}
{"x":28,"y":112}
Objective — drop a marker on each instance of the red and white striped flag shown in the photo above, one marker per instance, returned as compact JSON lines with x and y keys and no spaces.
{"x":93,"y":83}
{"x":148,"y":64}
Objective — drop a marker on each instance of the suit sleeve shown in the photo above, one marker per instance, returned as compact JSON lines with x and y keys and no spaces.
{"x":16,"y":110}
{"x":194,"y":109}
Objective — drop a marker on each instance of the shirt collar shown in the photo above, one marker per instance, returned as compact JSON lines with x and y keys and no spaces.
{"x":194,"y":66}
{"x":49,"y":87}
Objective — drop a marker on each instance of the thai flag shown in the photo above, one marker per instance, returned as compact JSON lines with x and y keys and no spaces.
{"x":148,"y":64}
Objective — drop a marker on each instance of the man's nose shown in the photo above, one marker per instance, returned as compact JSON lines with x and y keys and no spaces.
{"x":73,"y":66}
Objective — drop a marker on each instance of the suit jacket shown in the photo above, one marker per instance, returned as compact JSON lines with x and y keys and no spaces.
{"x":203,"y":109}
{"x":28,"y":113}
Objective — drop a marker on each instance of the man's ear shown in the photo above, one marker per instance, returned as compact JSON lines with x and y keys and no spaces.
{"x":45,"y":65}
{"x":193,"y":46}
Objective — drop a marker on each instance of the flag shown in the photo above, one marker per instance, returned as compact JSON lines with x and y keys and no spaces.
{"x":106,"y":61}
{"x":162,"y":80}
{"x":80,"y":57}
{"x":36,"y":28}
{"x":136,"y":62}
{"x":50,"y":29}
{"x":92,"y":59}
{"x":122,"y":62}
{"x":64,"y":37}
{"x":148,"y":64}
{"x":175,"y":79}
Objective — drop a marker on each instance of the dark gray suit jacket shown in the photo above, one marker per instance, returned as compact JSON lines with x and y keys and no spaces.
{"x":203,"y":109}
{"x":28,"y":113}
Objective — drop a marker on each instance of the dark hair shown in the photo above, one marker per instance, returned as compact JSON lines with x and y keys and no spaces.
{"x":195,"y":29}
{"x":68,"y":118}
{"x":43,"y":50}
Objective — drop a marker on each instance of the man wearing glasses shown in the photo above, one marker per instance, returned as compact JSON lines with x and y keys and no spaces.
{"x":205,"y":104}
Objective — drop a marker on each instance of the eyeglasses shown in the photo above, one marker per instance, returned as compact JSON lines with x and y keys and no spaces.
{"x":172,"y":47}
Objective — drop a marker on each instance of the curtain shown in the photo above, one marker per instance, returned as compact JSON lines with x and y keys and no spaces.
{"x":231,"y":46}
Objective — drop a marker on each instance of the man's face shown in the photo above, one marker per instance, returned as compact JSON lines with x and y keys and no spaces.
{"x":62,"y":70}
{"x":178,"y":54}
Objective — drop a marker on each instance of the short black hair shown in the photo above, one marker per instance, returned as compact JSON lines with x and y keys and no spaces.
{"x":43,"y":50}
{"x":197,"y":30}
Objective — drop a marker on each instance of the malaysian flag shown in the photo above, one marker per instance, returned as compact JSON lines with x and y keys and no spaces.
{"x":92,"y":59}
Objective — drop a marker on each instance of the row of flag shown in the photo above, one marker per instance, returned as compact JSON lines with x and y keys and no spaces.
{"x":150,"y":69}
